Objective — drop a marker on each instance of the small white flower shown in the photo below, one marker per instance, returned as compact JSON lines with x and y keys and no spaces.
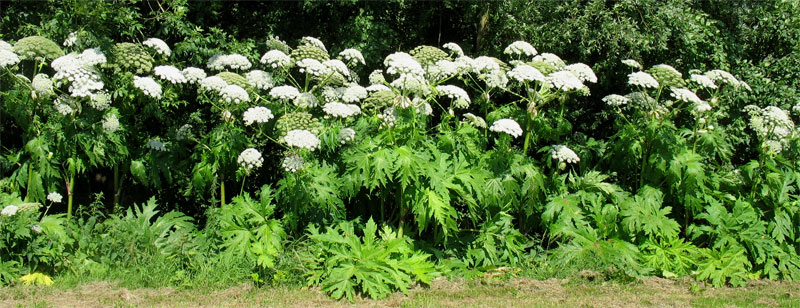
{"x":551,"y":59}
{"x":377,"y":88}
{"x":721,"y":76}
{"x":194,"y":74}
{"x":354,"y":94}
{"x":454,"y":48}
{"x":668,"y":68}
{"x":213,"y":83}
{"x":411,"y":83}
{"x":160,"y":46}
{"x":312,"y":67}
{"x":701,"y":107}
{"x":250,"y":159}
{"x":148,"y":86}
{"x":62,"y":106}
{"x":352,"y":56}
{"x":71,"y":39}
{"x":170,"y":73}
{"x":100,"y":100}
{"x":92,"y":57}
{"x":460,"y":97}
{"x":302,"y":138}
{"x":36,"y":229}
{"x":564,"y":154}
{"x":235,"y":94}
{"x":111,"y":123}
{"x":42,"y":84}
{"x":704,"y":81}
{"x":376,"y":77}
{"x":54,"y":197}
{"x":156,"y":145}
{"x":525,"y":73}
{"x":686,"y":95}
{"x":233,"y":61}
{"x":260,"y":79}
{"x":337,"y":66}
{"x":346,"y":135}
{"x":275,"y":59}
{"x":284,"y":92}
{"x":564,"y":81}
{"x":340,"y":110}
{"x":483,"y":65}
{"x":583,"y":71}
{"x":402,"y":63}
{"x":257,"y":114}
{"x":507,"y":126}
{"x":475,"y":120}
{"x":306,"y":100}
{"x":9,"y":210}
{"x":313,"y":41}
{"x":443,"y":69}
{"x":632,"y":63}
{"x":520,"y":48}
{"x":616,"y":100}
{"x":292,"y":163}
{"x":83,"y":81}
{"x":6,"y":46}
{"x":642,"y":79}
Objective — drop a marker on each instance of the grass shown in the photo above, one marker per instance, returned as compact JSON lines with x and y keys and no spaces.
{"x":522,"y":292}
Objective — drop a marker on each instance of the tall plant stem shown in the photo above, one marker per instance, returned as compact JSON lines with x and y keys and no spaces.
{"x":70,"y":193}
{"x":222,"y":193}
{"x":117,"y":189}
{"x":241,"y":190}
{"x":28,"y":188}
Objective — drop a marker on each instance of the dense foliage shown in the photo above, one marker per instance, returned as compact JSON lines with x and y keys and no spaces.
{"x":284,"y":158}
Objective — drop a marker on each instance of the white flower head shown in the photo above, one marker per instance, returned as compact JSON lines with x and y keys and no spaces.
{"x":443,"y":69}
{"x":454,"y":48}
{"x":668,"y":68}
{"x":6,"y":46}
{"x":701,"y":107}
{"x":685,"y":95}
{"x":250,"y":159}
{"x":156,"y":144}
{"x":9,"y":210}
{"x":302,"y":138}
{"x":158,"y":45}
{"x":257,"y":114}
{"x":354,"y":93}
{"x":632,"y":63}
{"x":233,"y":61}
{"x":293,"y":162}
{"x":313,"y":41}
{"x":703,"y":80}
{"x":83,"y":81}
{"x":62,"y":105}
{"x":377,"y":88}
{"x":583,"y":72}
{"x":313,"y":67}
{"x":71,"y":39}
{"x":260,"y":79}
{"x":376,"y":77}
{"x":275,"y":59}
{"x":337,"y":66}
{"x":721,"y":76}
{"x":402,"y":63}
{"x":642,"y":79}
{"x":564,"y":81}
{"x":507,"y":126}
{"x":213,"y":83}
{"x":92,"y":57}
{"x":148,"y":86}
{"x":170,"y":73}
{"x":111,"y":122}
{"x":346,"y":135}
{"x":551,"y":59}
{"x":284,"y":92}
{"x":460,"y":97}
{"x":616,"y":100}
{"x":411,"y":83}
{"x":194,"y":74}
{"x":100,"y":100}
{"x":54,"y":197}
{"x":336,"y":109}
{"x":42,"y":85}
{"x":564,"y":154}
{"x":306,"y":100}
{"x":352,"y":56}
{"x":520,"y":48}
{"x":235,"y":94}
{"x":474,"y":120}
{"x":525,"y":73}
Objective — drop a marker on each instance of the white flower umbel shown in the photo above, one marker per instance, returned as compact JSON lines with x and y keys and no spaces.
{"x":388,"y":117}
{"x":302,"y":138}
{"x":284,"y":92}
{"x":71,"y":39}
{"x":212,"y":83}
{"x":250,"y":159}
{"x":483,"y":64}
{"x":668,"y":68}
{"x":42,"y":85}
{"x":313,"y":41}
{"x":411,"y":83}
{"x":337,"y":66}
{"x":551,"y":59}
{"x":474,"y":120}
{"x":148,"y":86}
{"x":54,"y":197}
{"x":507,"y":126}
{"x":260,"y":79}
{"x":233,"y":61}
{"x":616,"y":100}
{"x":346,"y":135}
{"x":703,"y":81}
{"x":685,"y":95}
{"x":520,"y":48}
{"x":257,"y":114}
{"x":100,"y":100}
{"x":402,"y":63}
{"x":158,"y":45}
{"x":292,"y":163}
{"x":583,"y":71}
{"x":82,"y":81}
{"x":111,"y":123}
{"x":62,"y":108}
{"x":9,"y":210}
{"x":564,"y":81}
{"x":170,"y":73}
{"x":92,"y":57}
{"x":525,"y":73}
{"x":194,"y":74}
{"x":632,"y":63}
{"x":306,"y":100}
{"x":340,"y":110}
{"x":701,"y":107}
{"x":564,"y":154}
{"x":312,"y":67}
{"x":234,"y":94}
{"x":377,"y":87}
{"x":454,"y":48}
{"x":6,"y":46}
{"x":443,"y":69}
{"x":458,"y":95}
{"x":352,"y":56}
{"x":275,"y":59}
{"x":642,"y":79}
{"x":156,"y":145}
{"x":354,"y":93}
{"x":721,"y":76}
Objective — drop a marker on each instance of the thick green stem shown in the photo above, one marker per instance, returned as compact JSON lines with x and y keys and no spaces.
{"x":222,"y":193}
{"x":241,"y":190}
{"x":70,"y":193}
{"x":28,"y":188}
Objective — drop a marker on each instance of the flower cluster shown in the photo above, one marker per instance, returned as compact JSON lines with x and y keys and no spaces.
{"x":42,"y":85}
{"x":340,"y":110}
{"x":564,"y":81}
{"x":250,"y":159}
{"x":212,"y":83}
{"x":402,"y":63}
{"x":772,"y":124}
{"x":685,"y":95}
{"x":564,"y":154}
{"x":642,"y":79}
{"x":233,"y":61}
{"x":158,"y":45}
{"x":302,"y":138}
{"x":460,"y":97}
{"x":149,"y":86}
{"x":275,"y":59}
{"x":337,"y":66}
{"x":354,"y":94}
{"x":632,"y":63}
{"x":37,"y":48}
{"x":111,"y":123}
{"x":454,"y":48}
{"x":313,"y":41}
{"x":9,"y":210}
{"x":507,"y":126}
{"x":170,"y":73}
{"x":346,"y":135}
{"x":235,"y":94}
{"x":520,"y":48}
{"x":583,"y":72}
{"x":54,"y":197}
{"x":257,"y":114}
{"x":156,"y":145}
{"x":313,"y":67}
{"x":525,"y":73}
{"x":352,"y":56}
{"x":474,"y":120}
{"x":292,"y":163}
{"x":703,"y":81}
{"x":8,"y":58}
{"x":616,"y":100}
{"x":193,"y":74}
{"x":100,"y":100}
{"x":306,"y":100}
{"x":284,"y":92}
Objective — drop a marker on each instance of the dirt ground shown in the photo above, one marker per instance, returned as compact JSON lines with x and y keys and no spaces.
{"x":651,"y":292}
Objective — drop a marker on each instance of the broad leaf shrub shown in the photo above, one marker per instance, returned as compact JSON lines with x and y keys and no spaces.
{"x":470,"y":157}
